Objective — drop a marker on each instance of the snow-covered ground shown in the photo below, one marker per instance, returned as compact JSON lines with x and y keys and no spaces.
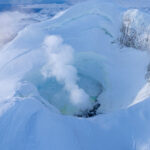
{"x":15,"y":17}
{"x":93,"y":51}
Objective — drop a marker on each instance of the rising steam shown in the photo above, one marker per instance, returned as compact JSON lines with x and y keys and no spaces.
{"x":60,"y":65}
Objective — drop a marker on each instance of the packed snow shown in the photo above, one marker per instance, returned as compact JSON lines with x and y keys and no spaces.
{"x":60,"y":67}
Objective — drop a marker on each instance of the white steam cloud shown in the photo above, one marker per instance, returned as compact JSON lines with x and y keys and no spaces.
{"x":60,"y":66}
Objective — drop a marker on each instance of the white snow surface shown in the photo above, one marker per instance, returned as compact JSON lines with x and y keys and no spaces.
{"x":32,"y":105}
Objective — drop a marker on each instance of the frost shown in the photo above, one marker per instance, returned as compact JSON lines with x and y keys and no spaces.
{"x":57,"y":66}
{"x":135,"y":30}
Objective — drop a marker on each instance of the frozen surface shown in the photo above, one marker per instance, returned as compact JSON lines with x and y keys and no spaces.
{"x":77,"y":50}
{"x":28,"y":124}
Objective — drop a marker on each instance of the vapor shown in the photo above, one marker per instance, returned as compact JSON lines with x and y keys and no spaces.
{"x":60,"y":65}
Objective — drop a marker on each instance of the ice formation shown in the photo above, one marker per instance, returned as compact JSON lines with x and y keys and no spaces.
{"x":79,"y":50}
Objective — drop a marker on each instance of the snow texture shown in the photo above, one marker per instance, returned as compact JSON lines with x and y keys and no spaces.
{"x":77,"y":50}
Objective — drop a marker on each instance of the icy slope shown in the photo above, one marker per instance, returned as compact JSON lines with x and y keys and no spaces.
{"x":92,"y":32}
{"x":85,"y":47}
{"x":30,"y":125}
{"x":20,"y":16}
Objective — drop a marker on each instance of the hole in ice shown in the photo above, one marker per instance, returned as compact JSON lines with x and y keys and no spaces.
{"x":53,"y":92}
{"x":72,"y":82}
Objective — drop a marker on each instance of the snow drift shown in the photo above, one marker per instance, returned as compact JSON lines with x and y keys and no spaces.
{"x":30,"y":103}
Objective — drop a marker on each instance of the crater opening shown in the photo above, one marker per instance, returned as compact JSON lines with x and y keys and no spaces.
{"x":53,"y":93}
{"x":71,"y":82}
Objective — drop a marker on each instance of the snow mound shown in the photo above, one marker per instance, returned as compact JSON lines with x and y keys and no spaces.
{"x":83,"y":44}
{"x":135,"y":30}
{"x":92,"y":33}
